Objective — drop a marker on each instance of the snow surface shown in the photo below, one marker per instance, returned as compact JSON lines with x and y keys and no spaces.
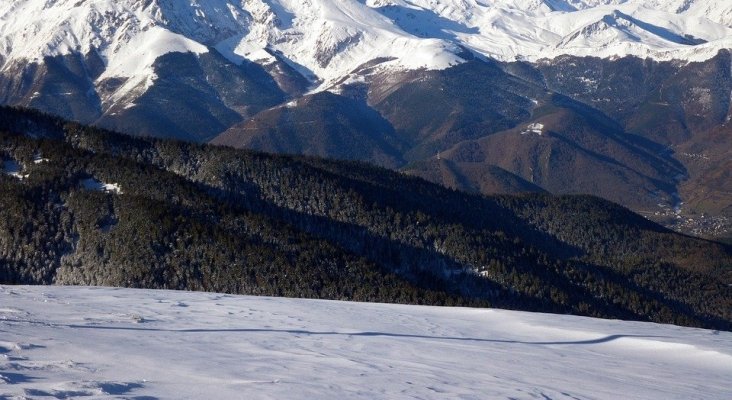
{"x":38,"y":159}
{"x":537,"y":128}
{"x":68,"y":342}
{"x":14,"y":169}
{"x":329,"y":39}
{"x":97,"y":185}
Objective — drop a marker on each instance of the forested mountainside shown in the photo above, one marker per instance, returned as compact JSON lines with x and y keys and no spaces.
{"x":80,"y":205}
{"x":653,"y":136}
{"x":628,"y":100}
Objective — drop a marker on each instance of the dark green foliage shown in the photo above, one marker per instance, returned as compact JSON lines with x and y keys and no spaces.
{"x":206,"y":218}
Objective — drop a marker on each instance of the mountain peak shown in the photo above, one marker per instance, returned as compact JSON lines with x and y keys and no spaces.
{"x":325,"y":36}
{"x":325,"y":41}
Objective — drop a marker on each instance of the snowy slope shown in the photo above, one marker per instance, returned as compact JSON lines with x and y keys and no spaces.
{"x":96,"y":342}
{"x":328,"y":39}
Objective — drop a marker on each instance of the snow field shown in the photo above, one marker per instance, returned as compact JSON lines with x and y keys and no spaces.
{"x":67,"y":342}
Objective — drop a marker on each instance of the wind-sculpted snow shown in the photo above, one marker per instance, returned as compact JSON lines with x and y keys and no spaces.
{"x":327,"y":39}
{"x":63,"y":342}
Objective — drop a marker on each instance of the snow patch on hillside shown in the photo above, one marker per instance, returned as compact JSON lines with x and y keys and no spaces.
{"x":39,"y":159}
{"x":99,"y":186}
{"x":14,"y":169}
{"x":66,"y":342}
{"x":535,"y":128}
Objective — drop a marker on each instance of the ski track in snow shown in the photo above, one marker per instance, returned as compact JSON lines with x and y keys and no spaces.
{"x":63,"y":342}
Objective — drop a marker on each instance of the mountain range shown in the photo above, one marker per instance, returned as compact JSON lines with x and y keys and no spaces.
{"x":84,"y":206}
{"x":624,"y":99}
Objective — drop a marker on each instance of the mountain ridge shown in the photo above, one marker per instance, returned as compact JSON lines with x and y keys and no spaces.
{"x":325,"y":39}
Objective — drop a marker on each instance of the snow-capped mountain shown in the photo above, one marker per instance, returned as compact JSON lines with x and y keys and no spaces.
{"x":327,"y":39}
